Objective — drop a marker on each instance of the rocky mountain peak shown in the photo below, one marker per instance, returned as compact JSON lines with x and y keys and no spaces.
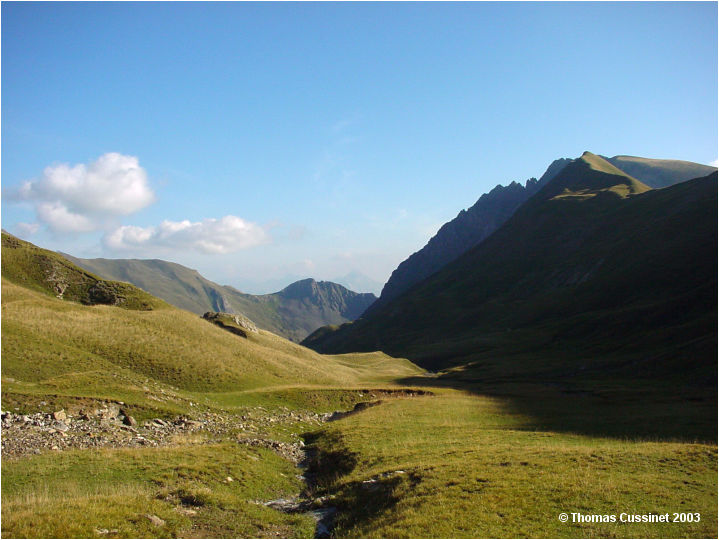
{"x":467,"y":230}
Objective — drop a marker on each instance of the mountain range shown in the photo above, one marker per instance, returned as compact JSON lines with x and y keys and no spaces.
{"x":293,"y":312}
{"x":576,"y":341}
{"x":493,"y":209}
{"x":596,"y":272}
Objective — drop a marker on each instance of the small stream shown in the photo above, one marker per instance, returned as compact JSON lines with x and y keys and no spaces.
{"x":302,"y":504}
{"x":324,"y":515}
{"x":318,"y":508}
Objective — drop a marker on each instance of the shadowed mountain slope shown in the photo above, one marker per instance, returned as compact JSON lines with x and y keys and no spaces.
{"x":292,"y":313}
{"x":594,"y":273}
{"x":468,"y":229}
{"x":492,"y":209}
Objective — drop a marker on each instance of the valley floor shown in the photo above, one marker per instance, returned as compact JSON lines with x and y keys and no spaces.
{"x":448,"y":463}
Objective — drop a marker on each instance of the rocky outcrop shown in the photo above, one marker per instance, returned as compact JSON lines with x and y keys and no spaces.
{"x":103,"y":292}
{"x":235,"y":323}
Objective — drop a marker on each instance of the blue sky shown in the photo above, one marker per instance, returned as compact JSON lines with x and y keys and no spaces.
{"x":261,"y":143}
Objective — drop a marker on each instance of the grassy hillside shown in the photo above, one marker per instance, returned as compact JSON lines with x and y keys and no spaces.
{"x":660,"y":173}
{"x":589,"y":176}
{"x":176,"y":284}
{"x":52,"y":346}
{"x":50,"y":273}
{"x":293,"y":313}
{"x":571,"y":284}
{"x":111,"y":492}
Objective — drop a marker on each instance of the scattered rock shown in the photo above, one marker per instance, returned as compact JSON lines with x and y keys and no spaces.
{"x":290,"y":451}
{"x":59,"y":415}
{"x":370,"y":485}
{"x":60,"y":426}
{"x":112,"y":411}
{"x":99,"y":426}
{"x":156,"y":521}
{"x":96,"y":428}
{"x":287,"y":505}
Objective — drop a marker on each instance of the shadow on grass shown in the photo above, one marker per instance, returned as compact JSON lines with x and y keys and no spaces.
{"x":329,"y":460}
{"x":362,"y":502}
{"x":607,"y":407}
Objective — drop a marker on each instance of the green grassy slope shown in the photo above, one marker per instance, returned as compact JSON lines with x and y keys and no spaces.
{"x":570,"y":284}
{"x":589,"y":176}
{"x":660,"y":173}
{"x":108,"y":493}
{"x":55,"y":347}
{"x":457,"y":465}
{"x":293,"y":313}
{"x":48,"y":272}
{"x":59,"y":346}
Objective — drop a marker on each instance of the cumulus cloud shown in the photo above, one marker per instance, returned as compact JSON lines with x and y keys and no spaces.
{"x":714,"y":163}
{"x":215,"y":236}
{"x":61,"y":219}
{"x":82,"y":197}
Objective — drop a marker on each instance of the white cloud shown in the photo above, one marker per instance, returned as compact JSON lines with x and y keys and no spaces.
{"x":59,"y":218}
{"x":714,"y":163}
{"x":82,"y":197}
{"x":215,"y":236}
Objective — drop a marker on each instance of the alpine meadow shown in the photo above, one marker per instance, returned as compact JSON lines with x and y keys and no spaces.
{"x":200,"y":200}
